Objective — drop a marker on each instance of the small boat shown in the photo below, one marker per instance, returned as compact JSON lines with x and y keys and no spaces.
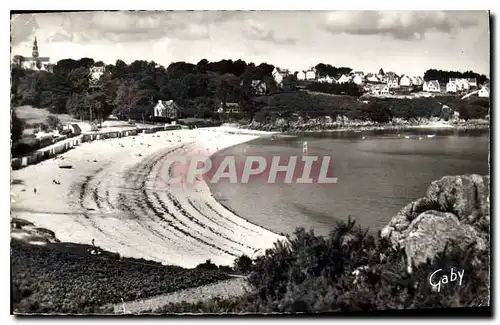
{"x":431,"y":135}
{"x":407,"y":136}
{"x":66,"y":166}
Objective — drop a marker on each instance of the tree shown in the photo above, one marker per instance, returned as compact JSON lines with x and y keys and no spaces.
{"x":17,"y":127}
{"x":381,"y":72}
{"x":17,"y":61}
{"x":53,"y":122}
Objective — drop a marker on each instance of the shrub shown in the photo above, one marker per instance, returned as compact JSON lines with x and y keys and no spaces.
{"x":25,"y":146}
{"x":64,"y":278}
{"x":349,"y":270}
{"x":243,"y":264}
{"x":53,"y":122}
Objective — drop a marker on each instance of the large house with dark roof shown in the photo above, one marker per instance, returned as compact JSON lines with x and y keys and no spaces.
{"x":167,"y":109}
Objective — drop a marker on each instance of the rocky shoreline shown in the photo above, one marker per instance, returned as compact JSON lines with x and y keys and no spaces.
{"x":288,"y":127}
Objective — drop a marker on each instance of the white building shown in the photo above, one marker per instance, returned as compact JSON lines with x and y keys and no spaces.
{"x":451,"y":87}
{"x":344,"y":79}
{"x":167,"y":109}
{"x":432,"y":86}
{"x":465,"y":84}
{"x":279,"y":75}
{"x":96,"y":72}
{"x":393,"y":83}
{"x":472,"y":82}
{"x":35,"y":62}
{"x":326,"y":79}
{"x":405,"y":81}
{"x":484,"y":92}
{"x":357,"y":79}
{"x":371,"y":78}
{"x":310,"y":74}
{"x":301,"y":75}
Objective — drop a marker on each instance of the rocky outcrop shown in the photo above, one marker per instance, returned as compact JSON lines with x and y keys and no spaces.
{"x":455,"y":208}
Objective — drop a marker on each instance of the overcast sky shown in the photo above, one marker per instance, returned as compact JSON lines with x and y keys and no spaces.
{"x":404,"y":41}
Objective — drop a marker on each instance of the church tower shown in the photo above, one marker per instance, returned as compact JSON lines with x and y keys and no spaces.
{"x":35,"y":49}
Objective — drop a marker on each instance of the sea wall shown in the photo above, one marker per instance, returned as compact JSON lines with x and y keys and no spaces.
{"x":57,"y":148}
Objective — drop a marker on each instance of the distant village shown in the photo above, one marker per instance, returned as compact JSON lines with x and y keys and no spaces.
{"x":372,"y":84}
{"x":386,"y":83}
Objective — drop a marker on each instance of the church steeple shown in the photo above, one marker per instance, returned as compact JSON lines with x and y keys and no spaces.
{"x":35,"y":49}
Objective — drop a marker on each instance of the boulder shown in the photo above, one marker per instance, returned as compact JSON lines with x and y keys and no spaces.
{"x":466,"y":196}
{"x":429,"y":234}
{"x":455,"y":208}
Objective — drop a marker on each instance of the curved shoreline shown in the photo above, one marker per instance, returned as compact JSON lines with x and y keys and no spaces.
{"x":118,"y":200}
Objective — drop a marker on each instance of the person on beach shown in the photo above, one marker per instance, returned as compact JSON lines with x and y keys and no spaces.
{"x":34,"y":190}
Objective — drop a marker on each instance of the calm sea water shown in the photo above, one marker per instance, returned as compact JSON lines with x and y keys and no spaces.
{"x":377,"y":176}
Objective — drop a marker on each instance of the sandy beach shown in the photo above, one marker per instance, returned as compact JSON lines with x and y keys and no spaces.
{"x":115,"y":194}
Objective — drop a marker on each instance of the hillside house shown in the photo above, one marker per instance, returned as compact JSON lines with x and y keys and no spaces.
{"x":484,"y":92}
{"x":229,"y":108}
{"x":310,"y":74}
{"x":405,"y":81}
{"x":96,"y":72}
{"x":451,"y":87}
{"x":371,"y":78}
{"x":472,"y":82}
{"x":301,"y":75}
{"x":380,"y":90}
{"x":357,"y":79}
{"x":344,"y":79}
{"x":457,"y":82}
{"x":465,"y":84}
{"x":259,"y":87}
{"x":389,"y":75}
{"x":167,"y":109}
{"x":74,"y":128}
{"x":279,"y":75}
{"x":417,"y":81}
{"x":392,"y":83}
{"x":326,"y":79}
{"x":432,"y":86}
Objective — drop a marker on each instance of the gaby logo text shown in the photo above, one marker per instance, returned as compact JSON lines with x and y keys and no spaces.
{"x":236,"y":169}
{"x":438,"y":277}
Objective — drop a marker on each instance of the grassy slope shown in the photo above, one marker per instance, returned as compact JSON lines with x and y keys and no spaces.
{"x":32,"y":115}
{"x":64,"y":278}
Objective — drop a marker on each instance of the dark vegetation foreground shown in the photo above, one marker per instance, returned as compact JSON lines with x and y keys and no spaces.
{"x":347,"y":271}
{"x":350,"y":271}
{"x":66,"y":279}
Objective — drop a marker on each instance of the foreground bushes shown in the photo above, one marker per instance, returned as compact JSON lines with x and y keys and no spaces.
{"x":349,"y":271}
{"x":51,"y":280}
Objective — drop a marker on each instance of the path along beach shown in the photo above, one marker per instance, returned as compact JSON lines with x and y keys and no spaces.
{"x":115,"y":195}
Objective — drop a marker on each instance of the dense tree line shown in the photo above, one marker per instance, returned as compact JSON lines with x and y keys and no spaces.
{"x":324,"y":70}
{"x":443,"y":76}
{"x":131,"y":90}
